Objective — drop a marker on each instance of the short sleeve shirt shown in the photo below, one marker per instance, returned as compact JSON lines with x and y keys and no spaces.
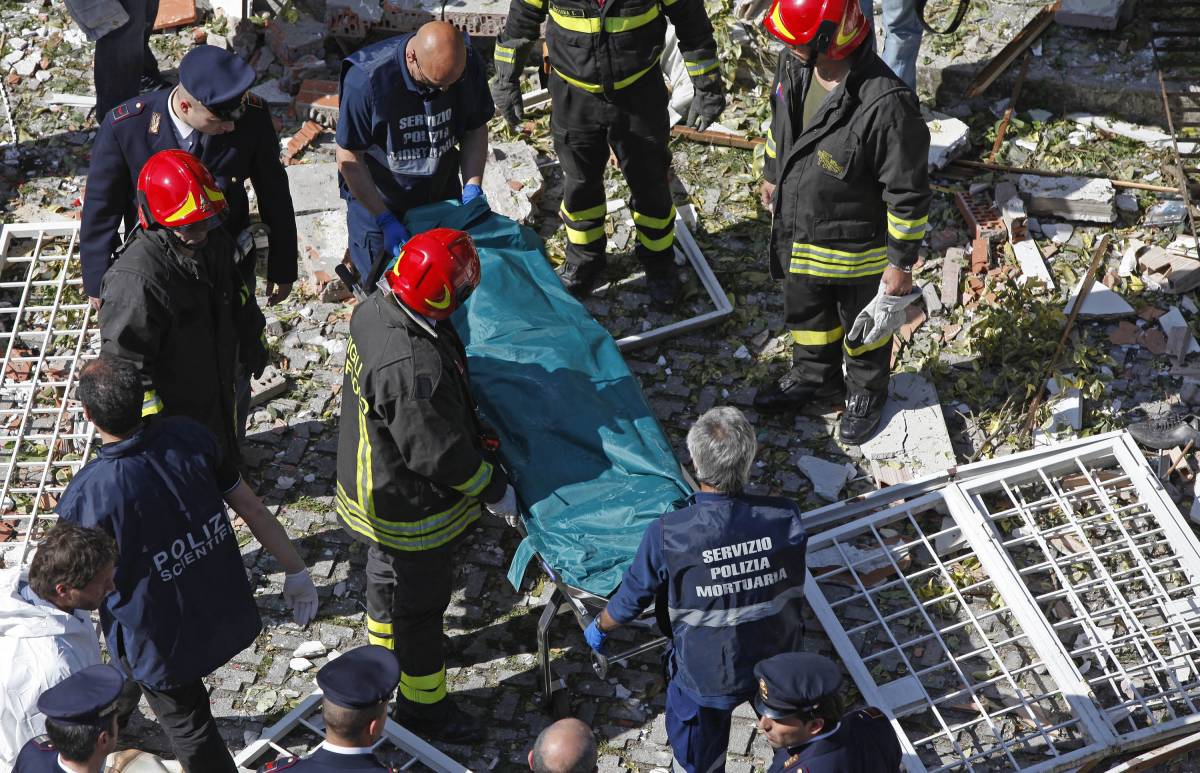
{"x":405,"y":129}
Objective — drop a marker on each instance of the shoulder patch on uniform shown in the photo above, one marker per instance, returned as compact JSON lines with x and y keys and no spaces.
{"x":44,"y":743}
{"x":870,"y":712}
{"x":125,"y":110}
{"x":280,"y":764}
{"x":827,"y":162}
{"x":790,"y":761}
{"x":155,"y":120}
{"x":253,"y":100}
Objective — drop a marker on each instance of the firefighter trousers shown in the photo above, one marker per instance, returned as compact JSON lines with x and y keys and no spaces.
{"x":632,"y":122}
{"x":819,"y":318}
{"x":407,"y":595}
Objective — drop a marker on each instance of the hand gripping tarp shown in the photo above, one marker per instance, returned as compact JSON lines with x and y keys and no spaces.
{"x":590,"y":464}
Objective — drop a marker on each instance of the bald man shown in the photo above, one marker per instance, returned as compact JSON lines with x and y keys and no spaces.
{"x":567,"y":746}
{"x":412,"y":130}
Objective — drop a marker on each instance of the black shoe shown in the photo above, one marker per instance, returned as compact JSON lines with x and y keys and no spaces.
{"x":153,"y":83}
{"x":791,"y":393}
{"x":1168,"y":430}
{"x":441,"y":721}
{"x":863,"y":412}
{"x":580,"y":280}
{"x":664,"y":289}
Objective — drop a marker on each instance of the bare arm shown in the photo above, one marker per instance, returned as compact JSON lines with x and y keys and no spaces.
{"x":358,"y":178}
{"x":606,"y":623}
{"x":265,"y":527}
{"x":474,"y":155}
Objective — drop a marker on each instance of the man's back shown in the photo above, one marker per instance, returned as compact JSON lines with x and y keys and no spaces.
{"x":40,"y":645}
{"x":179,"y":567}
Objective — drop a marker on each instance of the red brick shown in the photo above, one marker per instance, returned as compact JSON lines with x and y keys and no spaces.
{"x":175,"y":13}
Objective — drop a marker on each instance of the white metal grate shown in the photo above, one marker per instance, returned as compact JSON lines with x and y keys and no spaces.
{"x":47,"y":331}
{"x":302,"y":729}
{"x":1030,"y":618}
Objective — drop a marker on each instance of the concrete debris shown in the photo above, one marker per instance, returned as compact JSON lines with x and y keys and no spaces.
{"x":368,"y":11}
{"x":314,"y":187}
{"x":952,"y":266}
{"x":512,"y":181}
{"x":1127,"y":203}
{"x":1129,"y":258}
{"x":1174,"y":325}
{"x":269,"y":385}
{"x":1089,"y":199}
{"x":300,"y":664}
{"x":1169,"y":270}
{"x":310,"y":649}
{"x":1100,"y":302}
{"x":1155,"y":137}
{"x":318,"y":100}
{"x":1029,"y":257}
{"x":903,"y":696}
{"x":271,"y":93}
{"x":234,"y":10}
{"x":322,"y":239}
{"x":912,"y":431}
{"x":1166,"y":213}
{"x":1012,"y":210}
{"x":1059,"y":233}
{"x":1093,"y":14}
{"x":827,"y":478}
{"x":1038,"y":115}
{"x":949,"y":138}
{"x":290,"y":41}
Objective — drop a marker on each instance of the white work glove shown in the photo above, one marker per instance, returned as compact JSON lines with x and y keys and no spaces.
{"x":882,"y":316}
{"x":301,"y":595}
{"x":506,"y":507}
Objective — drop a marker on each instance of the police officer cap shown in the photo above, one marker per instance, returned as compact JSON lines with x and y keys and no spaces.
{"x":363,"y":677}
{"x":86,"y":697}
{"x":216,"y":77}
{"x":794,"y":683}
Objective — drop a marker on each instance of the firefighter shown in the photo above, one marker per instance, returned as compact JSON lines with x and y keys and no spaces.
{"x":413,"y":120}
{"x":731,"y":569}
{"x":413,"y":466}
{"x":799,"y":713}
{"x":176,"y":307}
{"x":608,"y":91}
{"x":846,"y":179}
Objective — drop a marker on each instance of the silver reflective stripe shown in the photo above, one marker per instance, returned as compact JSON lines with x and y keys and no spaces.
{"x":718,"y":618}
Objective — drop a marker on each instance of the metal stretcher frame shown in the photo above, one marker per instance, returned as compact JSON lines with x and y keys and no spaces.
{"x":417,"y":754}
{"x":46,"y":336}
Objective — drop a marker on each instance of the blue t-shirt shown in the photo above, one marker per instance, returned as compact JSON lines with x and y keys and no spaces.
{"x":404,"y":129}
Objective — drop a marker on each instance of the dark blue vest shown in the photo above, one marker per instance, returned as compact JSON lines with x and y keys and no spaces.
{"x":735,"y":588}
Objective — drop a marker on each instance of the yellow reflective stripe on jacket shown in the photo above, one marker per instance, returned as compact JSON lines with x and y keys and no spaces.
{"x":424,"y":689}
{"x":906,"y":230}
{"x":579,"y":236}
{"x":770,"y":143}
{"x":477,"y":482}
{"x":590,"y":25}
{"x":505,"y":54}
{"x":858,"y":351}
{"x":425,"y":534}
{"x":591,"y":213}
{"x":646,"y":221}
{"x":151,"y":404}
{"x":817,"y":337}
{"x":596,"y":88}
{"x":656,"y":245}
{"x":814,"y":260}
{"x":696,"y":69}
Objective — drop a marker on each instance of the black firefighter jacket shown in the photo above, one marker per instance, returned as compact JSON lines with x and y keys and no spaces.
{"x":605,"y":47}
{"x":410,"y":472}
{"x":184,"y":322}
{"x":853,"y":187}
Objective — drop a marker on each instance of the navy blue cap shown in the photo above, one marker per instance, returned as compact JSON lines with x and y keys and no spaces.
{"x":216,"y":77}
{"x":794,"y":683}
{"x":363,"y":677}
{"x":86,"y":697}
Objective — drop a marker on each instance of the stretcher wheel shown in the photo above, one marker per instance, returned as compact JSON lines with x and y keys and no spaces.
{"x":600,"y":665}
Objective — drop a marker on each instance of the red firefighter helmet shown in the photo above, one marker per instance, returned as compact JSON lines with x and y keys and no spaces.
{"x":832,"y":27}
{"x":174,"y":189}
{"x":435,"y":272}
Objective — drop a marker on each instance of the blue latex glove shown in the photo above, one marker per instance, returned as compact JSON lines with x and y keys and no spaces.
{"x":394,"y":232}
{"x":595,"y":637}
{"x":471,"y":191}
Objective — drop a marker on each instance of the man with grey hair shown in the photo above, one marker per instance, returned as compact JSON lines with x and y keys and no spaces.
{"x":567,"y":746}
{"x":731,"y":568}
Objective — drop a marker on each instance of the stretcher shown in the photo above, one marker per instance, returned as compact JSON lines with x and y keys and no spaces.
{"x":589,"y":461}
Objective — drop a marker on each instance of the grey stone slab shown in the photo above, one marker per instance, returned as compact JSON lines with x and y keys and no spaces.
{"x":314,"y":187}
{"x":912,"y":434}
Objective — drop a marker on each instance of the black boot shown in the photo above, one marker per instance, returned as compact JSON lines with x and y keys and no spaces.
{"x":791,"y":393}
{"x":580,"y":279}
{"x":1168,"y":430}
{"x":441,"y":721}
{"x":863,"y":412}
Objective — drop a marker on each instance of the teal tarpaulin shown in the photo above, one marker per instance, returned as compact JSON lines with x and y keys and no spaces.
{"x":590,"y":464}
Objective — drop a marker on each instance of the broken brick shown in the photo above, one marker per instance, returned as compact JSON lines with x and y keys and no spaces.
{"x":175,"y":13}
{"x":950,"y":332}
{"x":975,"y":283}
{"x":1154,"y":340}
{"x":916,"y":318}
{"x":1124,"y":334}
{"x":301,"y":140}
{"x":318,"y":100}
{"x":983,"y":220}
{"x":952,"y":266}
{"x":290,"y":41}
{"x":1150,"y":313}
{"x":981,"y":255}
